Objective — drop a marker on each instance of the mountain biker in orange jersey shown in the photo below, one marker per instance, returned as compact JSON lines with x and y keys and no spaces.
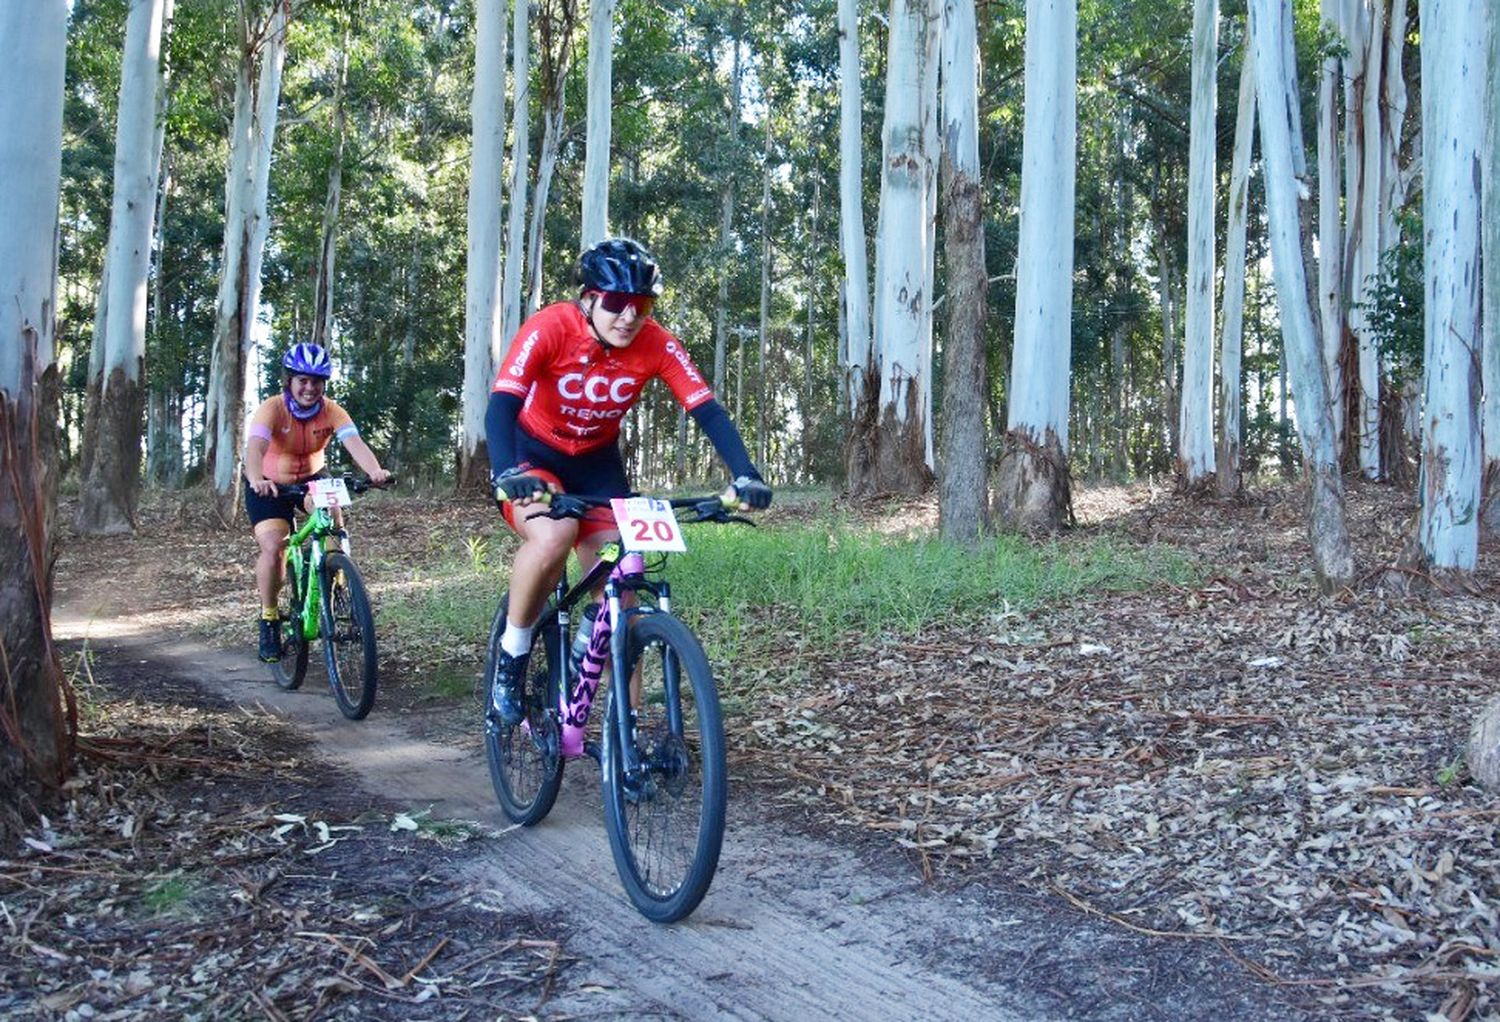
{"x":572,"y":372}
{"x":285,"y":444}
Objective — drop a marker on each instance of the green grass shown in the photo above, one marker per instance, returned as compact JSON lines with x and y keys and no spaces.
{"x":830,"y":580}
{"x":167,"y":894}
{"x":746,"y":591}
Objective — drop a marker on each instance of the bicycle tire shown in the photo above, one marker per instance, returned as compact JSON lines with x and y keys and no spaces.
{"x":525,"y":759}
{"x":290,"y":671}
{"x":666,"y":828}
{"x":348,"y":637}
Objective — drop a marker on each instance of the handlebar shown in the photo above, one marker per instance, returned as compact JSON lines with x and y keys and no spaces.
{"x":356,"y":484}
{"x":704,"y":509}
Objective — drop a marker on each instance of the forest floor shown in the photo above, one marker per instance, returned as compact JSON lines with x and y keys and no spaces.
{"x":1234,"y":799}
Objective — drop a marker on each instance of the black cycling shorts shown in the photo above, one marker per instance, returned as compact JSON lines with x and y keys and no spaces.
{"x":598,"y":473}
{"x":260,"y":509}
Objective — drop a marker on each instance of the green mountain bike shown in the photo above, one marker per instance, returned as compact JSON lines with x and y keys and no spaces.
{"x":323,"y":595}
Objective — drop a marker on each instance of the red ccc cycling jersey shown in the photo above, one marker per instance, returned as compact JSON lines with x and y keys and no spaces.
{"x":576,"y":390}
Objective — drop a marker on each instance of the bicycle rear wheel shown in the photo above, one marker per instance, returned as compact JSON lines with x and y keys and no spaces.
{"x":525,"y":759}
{"x":666,"y":823}
{"x":348,"y":637}
{"x":291,"y":669}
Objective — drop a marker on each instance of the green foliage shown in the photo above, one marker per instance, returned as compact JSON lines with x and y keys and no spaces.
{"x":1395,"y":310}
{"x":742,"y":588}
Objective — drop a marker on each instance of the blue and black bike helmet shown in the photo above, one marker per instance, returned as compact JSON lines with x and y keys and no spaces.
{"x":307,"y":359}
{"x":619,"y":264}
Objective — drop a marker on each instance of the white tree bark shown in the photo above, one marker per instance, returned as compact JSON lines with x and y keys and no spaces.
{"x":1490,"y":224}
{"x":596,"y":146}
{"x":482,"y":337}
{"x":1365,"y":138}
{"x":903,"y":301}
{"x":851,"y":207}
{"x":1232,"y":339}
{"x":257,"y":93}
{"x":322,"y":326}
{"x":726,"y":229}
{"x":33,"y":48}
{"x":1453,"y":71}
{"x":1032,"y":490}
{"x":1330,"y":225}
{"x":1044,"y":265}
{"x":1195,"y":434}
{"x":110,"y":486}
{"x":552,"y":132}
{"x":1275,"y":76}
{"x":520,"y":170}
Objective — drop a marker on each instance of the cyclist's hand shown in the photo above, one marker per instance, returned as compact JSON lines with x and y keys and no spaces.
{"x":514,"y":484}
{"x":263,"y":487}
{"x":752,"y":493}
{"x":381,"y":477}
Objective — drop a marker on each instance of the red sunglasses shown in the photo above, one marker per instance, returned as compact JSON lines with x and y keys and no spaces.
{"x":616,"y":302}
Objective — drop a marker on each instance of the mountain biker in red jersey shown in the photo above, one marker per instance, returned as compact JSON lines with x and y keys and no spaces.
{"x":284,"y":444}
{"x":572,"y":372}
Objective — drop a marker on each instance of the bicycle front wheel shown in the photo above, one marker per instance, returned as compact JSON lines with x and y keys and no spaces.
{"x":289,"y":671}
{"x":666,"y":819}
{"x":348,"y":637}
{"x":525,"y":759}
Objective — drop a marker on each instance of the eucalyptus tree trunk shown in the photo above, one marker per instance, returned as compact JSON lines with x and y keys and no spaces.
{"x":1195,"y":428}
{"x":37,"y":717}
{"x":856,"y":317}
{"x":809,"y":366}
{"x":761,"y":397}
{"x":253,"y":131}
{"x":1490,"y":225}
{"x":889,"y":442}
{"x":109,"y":490}
{"x":726,"y":228}
{"x":520,"y":170}
{"x":1364,"y":139}
{"x":1453,"y":115}
{"x":556,"y":34}
{"x":322,"y":320}
{"x":1232,"y":339}
{"x":596,"y":145}
{"x":1331,"y":229}
{"x":1271,"y":29}
{"x":1032,"y":486}
{"x":963,"y":507}
{"x":482,"y":338}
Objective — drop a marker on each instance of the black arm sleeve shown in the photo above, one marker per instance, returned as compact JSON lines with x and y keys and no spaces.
{"x":721,"y":432}
{"x":500,"y":430}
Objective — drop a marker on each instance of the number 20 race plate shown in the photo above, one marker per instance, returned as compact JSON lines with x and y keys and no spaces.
{"x":647,"y":524}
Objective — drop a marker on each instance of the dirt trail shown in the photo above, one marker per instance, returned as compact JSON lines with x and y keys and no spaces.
{"x":795,"y":927}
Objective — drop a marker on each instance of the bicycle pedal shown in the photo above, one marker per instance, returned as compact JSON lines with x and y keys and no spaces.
{"x":594,"y":752}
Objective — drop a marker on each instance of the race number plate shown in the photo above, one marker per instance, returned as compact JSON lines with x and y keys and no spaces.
{"x":328,"y":492}
{"x":647,"y":524}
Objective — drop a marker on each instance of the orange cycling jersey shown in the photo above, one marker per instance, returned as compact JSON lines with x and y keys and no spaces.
{"x":295,"y":446}
{"x":576,"y":390}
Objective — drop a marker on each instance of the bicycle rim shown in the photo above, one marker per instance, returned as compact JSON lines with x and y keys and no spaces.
{"x":348,"y":637}
{"x":666,"y":823}
{"x":291,"y":669}
{"x":525,"y":759}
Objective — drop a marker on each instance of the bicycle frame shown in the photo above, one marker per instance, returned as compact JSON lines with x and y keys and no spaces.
{"x":622,"y":572}
{"x":318,"y":525}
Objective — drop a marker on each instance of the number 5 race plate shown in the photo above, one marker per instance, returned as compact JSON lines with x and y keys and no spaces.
{"x":328,"y":492}
{"x":647,"y":524}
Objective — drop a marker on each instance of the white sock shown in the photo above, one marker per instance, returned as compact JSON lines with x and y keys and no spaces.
{"x":516,"y":641}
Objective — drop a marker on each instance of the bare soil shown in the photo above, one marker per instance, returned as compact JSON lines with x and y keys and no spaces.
{"x":1238,"y":800}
